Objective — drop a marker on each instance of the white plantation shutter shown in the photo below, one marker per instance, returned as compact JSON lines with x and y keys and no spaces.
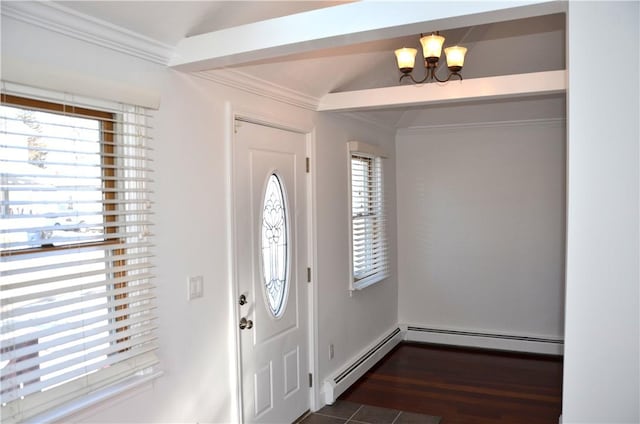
{"x":76,"y":281}
{"x":369,"y":258}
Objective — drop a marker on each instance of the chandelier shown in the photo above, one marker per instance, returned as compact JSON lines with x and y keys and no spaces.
{"x":431,"y":49}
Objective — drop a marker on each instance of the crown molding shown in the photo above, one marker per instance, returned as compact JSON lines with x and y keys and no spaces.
{"x":60,"y":19}
{"x":474,"y":125}
{"x":254,"y":85}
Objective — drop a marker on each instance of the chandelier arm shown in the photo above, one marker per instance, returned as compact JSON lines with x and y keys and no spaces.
{"x":431,"y":72}
{"x":451,"y":74}
{"x":435,"y":77}
{"x":414,"y":80}
{"x":431,"y":75}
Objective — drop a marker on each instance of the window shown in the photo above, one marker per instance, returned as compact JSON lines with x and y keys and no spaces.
{"x":369,"y":257}
{"x":76,"y":284}
{"x":275,"y":246}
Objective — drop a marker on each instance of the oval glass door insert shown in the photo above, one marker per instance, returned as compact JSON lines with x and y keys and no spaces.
{"x":275,"y":246}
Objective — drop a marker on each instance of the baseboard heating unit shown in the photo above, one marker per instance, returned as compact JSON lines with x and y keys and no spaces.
{"x":337,"y":384}
{"x":518,"y":343}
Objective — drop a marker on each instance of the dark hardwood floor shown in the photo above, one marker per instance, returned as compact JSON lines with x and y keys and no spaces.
{"x":465,"y":386}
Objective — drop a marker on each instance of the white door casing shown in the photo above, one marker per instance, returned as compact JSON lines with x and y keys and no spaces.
{"x":274,"y":341}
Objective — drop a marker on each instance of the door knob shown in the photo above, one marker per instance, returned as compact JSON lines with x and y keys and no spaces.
{"x":245,"y":323}
{"x":243,"y":300}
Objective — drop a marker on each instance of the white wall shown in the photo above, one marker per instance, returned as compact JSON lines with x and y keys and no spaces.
{"x":504,"y":110}
{"x":191,"y":202}
{"x":481,"y":227}
{"x":349,"y":322}
{"x":602,"y":356}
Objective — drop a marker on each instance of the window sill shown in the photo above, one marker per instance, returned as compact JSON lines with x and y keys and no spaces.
{"x":63,"y":411}
{"x":366,"y":282}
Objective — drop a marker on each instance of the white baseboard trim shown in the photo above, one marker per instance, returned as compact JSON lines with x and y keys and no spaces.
{"x":510,"y":342}
{"x":348,"y":374}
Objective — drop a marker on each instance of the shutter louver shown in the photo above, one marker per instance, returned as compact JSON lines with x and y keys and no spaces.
{"x":76,"y":278}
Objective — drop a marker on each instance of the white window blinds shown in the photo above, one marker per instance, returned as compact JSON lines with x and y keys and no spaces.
{"x":369,"y":258}
{"x":76,"y":286}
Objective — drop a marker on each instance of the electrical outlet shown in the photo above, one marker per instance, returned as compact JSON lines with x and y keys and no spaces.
{"x":331,"y":352}
{"x":195,"y":287}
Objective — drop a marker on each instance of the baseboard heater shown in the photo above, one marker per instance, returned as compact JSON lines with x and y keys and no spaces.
{"x":486,"y":340}
{"x":336,"y":385}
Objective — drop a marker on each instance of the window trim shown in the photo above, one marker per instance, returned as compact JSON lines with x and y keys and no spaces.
{"x":376,"y":155}
{"x":137,"y":367}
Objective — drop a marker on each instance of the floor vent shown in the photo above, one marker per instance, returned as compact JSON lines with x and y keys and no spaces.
{"x":341,"y":381}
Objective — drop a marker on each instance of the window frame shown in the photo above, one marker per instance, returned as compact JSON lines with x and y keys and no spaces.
{"x":107,"y":120}
{"x":377,"y":268}
{"x":121,"y":375}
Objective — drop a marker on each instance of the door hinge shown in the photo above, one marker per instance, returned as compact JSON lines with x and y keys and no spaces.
{"x":308,"y":165}
{"x":308,"y":274}
{"x":310,"y":380}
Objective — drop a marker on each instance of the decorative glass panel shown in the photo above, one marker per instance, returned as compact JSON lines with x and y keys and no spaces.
{"x":275,"y":249}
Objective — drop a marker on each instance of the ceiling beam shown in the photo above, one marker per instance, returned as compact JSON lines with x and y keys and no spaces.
{"x":490,"y":88}
{"x":342,"y":25}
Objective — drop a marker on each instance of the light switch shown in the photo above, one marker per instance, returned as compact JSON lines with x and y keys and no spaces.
{"x":195,"y":287}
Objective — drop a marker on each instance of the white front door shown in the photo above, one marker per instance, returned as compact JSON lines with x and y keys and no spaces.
{"x":271,"y":268}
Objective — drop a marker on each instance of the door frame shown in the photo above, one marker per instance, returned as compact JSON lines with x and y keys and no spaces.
{"x":232,"y":116}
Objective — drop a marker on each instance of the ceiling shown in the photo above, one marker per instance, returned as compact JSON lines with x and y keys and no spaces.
{"x":170,"y":21}
{"x":503,"y":48}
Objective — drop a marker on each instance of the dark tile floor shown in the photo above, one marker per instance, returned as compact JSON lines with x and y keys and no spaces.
{"x":342,"y":412}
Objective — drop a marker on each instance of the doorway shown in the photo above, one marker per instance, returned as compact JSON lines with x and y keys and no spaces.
{"x":271,"y":265}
